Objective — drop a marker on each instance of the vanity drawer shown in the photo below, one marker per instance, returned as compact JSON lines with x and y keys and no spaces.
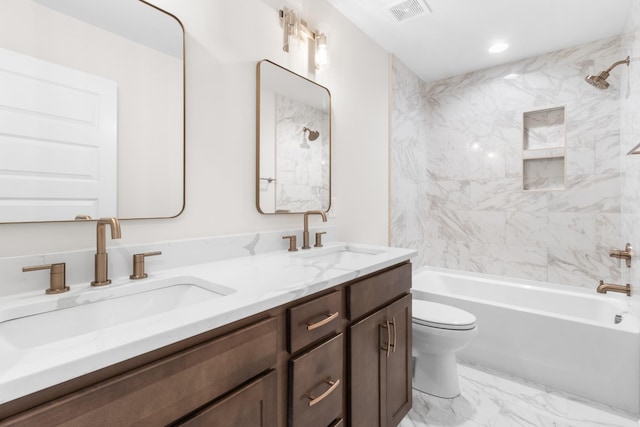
{"x":313,"y":320}
{"x":374,"y":292}
{"x":315,"y":385}
{"x":163,"y":391}
{"x":252,"y":405}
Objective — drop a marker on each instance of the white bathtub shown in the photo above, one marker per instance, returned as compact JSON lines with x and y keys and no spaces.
{"x":559,"y":336}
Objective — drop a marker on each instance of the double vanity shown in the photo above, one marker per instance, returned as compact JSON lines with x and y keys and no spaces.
{"x":233,"y":331}
{"x":315,"y":337}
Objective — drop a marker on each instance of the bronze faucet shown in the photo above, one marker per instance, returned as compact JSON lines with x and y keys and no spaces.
{"x":305,"y":234}
{"x":603,"y":288}
{"x":101,"y":257}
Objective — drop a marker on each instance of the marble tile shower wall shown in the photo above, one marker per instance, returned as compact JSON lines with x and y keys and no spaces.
{"x":465,"y":208}
{"x":408,"y":161}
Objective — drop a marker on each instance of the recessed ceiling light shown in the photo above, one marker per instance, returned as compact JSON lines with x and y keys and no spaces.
{"x":498,"y":47}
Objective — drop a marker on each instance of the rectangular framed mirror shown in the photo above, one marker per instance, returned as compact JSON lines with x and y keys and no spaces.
{"x":92,"y":117}
{"x":293,"y":120}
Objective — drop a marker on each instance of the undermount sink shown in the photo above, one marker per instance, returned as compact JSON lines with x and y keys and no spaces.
{"x":342,"y":254}
{"x":99,"y":309}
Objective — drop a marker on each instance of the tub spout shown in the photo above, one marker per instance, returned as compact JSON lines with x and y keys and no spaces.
{"x":603,"y":288}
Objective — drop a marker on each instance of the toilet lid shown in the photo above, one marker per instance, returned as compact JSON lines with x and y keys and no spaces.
{"x":441,"y":316}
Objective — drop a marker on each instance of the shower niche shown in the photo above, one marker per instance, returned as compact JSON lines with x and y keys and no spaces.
{"x":543,"y":149}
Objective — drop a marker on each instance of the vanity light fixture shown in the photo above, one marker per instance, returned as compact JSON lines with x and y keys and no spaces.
{"x":289,"y":21}
{"x":322,"y":52}
{"x":293,"y":25}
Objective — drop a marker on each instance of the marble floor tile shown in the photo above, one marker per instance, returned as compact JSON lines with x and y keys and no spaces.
{"x":493,"y":400}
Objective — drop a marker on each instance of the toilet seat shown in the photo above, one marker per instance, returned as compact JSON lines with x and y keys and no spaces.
{"x":435,"y":315}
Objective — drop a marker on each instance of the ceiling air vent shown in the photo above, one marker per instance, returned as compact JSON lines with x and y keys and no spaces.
{"x":409,"y":9}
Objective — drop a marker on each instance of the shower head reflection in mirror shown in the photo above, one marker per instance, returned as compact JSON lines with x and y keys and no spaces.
{"x":313,"y":134}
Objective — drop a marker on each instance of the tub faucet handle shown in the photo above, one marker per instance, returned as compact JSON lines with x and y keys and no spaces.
{"x":623,"y":254}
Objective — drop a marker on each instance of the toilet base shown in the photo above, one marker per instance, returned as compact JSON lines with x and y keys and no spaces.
{"x":436,"y":374}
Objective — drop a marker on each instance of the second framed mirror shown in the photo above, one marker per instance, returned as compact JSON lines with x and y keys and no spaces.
{"x":293,"y":119}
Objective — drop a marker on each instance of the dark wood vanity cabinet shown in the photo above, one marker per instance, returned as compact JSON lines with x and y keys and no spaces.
{"x":380,"y":350}
{"x":163,"y":391}
{"x":339,"y":357}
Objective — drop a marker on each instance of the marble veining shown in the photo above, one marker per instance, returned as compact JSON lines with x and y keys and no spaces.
{"x":461,"y":158}
{"x":491,"y":399}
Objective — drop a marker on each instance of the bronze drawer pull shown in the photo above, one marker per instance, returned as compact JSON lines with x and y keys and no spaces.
{"x":329,"y":318}
{"x":314,"y":400}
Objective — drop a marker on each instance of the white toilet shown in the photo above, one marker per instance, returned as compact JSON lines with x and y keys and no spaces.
{"x":439,"y":331}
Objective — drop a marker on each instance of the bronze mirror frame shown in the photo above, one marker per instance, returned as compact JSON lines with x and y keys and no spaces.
{"x":308,"y":136}
{"x":140,"y":203}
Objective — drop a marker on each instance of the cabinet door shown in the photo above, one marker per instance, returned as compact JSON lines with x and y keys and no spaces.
{"x":253,"y":405}
{"x":380,"y":366}
{"x":365,"y":360}
{"x":397,"y":369}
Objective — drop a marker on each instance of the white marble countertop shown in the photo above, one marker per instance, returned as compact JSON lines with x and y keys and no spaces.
{"x":259,"y":283}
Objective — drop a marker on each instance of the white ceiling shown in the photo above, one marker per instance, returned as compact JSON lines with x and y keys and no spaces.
{"x":454,"y":38}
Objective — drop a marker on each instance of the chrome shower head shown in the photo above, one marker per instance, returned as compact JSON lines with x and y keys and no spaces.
{"x":313,"y":134}
{"x":600,"y":81}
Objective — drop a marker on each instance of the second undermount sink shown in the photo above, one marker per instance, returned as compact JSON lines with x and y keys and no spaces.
{"x":99,"y":309}
{"x":340,"y":254}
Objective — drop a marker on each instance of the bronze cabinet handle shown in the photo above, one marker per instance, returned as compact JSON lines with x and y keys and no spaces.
{"x":329,"y":318}
{"x":388,"y":328}
{"x":314,"y":400}
{"x":395,"y":333}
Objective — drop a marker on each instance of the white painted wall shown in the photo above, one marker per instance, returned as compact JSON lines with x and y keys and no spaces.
{"x":224,"y":42}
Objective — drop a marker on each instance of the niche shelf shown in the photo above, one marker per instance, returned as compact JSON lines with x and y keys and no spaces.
{"x":543,"y":149}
